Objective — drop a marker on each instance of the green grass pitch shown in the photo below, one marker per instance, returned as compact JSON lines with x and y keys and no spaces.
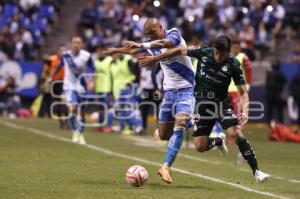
{"x":36,"y":166}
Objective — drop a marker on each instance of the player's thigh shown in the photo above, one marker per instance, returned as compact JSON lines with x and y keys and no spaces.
{"x":228,"y":119}
{"x":204,"y":125}
{"x":200,"y":143}
{"x":166,"y":114}
{"x":235,"y":131}
{"x":184,"y":106}
{"x":165,"y":130}
{"x":72,"y":100}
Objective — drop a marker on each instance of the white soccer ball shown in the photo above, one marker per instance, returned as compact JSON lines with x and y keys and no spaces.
{"x":137,"y":175}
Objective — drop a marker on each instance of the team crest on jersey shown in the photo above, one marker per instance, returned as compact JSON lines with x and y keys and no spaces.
{"x":225,"y":68}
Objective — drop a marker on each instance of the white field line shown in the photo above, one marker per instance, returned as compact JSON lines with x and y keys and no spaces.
{"x":109,"y":152}
{"x":144,"y":140}
{"x":158,"y":146}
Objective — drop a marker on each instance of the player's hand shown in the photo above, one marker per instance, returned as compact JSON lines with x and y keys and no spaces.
{"x":131,"y":44}
{"x":243,"y":119}
{"x":158,"y":94}
{"x":147,"y":61}
{"x":110,"y":51}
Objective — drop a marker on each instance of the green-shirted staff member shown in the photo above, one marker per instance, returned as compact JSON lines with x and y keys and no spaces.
{"x":103,"y":87}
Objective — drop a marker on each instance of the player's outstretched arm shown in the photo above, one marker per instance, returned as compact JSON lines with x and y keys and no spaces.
{"x":161,"y":43}
{"x":150,"y":60}
{"x":245,"y":104}
{"x":123,"y":50}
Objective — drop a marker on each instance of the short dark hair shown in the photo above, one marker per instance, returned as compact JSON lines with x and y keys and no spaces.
{"x":223,"y":43}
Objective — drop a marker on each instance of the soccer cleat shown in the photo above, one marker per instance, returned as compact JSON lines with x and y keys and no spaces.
{"x":75,"y":137}
{"x":81,"y":140}
{"x":138,"y":130}
{"x":164,"y":173}
{"x":261,"y":176}
{"x":223,"y":147}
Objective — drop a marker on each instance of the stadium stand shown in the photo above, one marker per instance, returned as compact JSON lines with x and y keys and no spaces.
{"x":268,"y":29}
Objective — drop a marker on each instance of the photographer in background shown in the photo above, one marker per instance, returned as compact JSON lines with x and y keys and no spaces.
{"x":9,"y":99}
{"x":295,"y":91}
{"x":275,"y":83}
{"x":53,"y":93}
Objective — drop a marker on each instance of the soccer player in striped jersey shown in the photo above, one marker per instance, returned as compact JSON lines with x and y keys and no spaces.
{"x":179,"y":78}
{"x":75,"y":62}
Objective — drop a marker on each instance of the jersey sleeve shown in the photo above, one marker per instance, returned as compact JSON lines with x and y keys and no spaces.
{"x":174,"y":36}
{"x":237,"y":73}
{"x":195,"y":51}
{"x":61,"y":62}
{"x":91,"y":64}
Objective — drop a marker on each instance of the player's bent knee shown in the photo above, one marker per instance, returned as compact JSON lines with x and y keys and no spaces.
{"x":71,"y":108}
{"x":200,"y":147}
{"x":182,"y":119}
{"x":235,"y":132}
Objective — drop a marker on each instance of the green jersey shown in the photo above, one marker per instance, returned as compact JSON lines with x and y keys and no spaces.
{"x":213,"y":78}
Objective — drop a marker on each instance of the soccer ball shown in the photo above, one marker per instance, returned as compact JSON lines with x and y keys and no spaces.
{"x":136,"y":175}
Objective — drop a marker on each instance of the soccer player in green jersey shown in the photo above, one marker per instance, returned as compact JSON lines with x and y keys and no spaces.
{"x":216,"y":66}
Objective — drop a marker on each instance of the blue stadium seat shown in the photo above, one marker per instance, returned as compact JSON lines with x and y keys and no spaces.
{"x":39,"y":24}
{"x":47,"y":11}
{"x":10,"y":9}
{"x":25,"y":21}
{"x":37,"y":36}
{"x":2,"y":22}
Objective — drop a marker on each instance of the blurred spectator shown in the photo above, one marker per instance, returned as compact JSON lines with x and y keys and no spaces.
{"x":129,"y":115}
{"x":124,"y":71}
{"x":256,"y":14}
{"x":103,"y":88}
{"x":227,"y":29}
{"x":56,"y":91}
{"x":227,"y":13}
{"x":30,"y":6}
{"x":88,"y":15}
{"x":24,"y":24}
{"x":172,"y":11}
{"x":192,"y":9}
{"x":247,"y":72}
{"x":26,"y":36}
{"x":244,"y":60}
{"x":294,"y":56}
{"x":21,"y":49}
{"x":275,"y":83}
{"x":273,"y":17}
{"x":247,"y":38}
{"x":98,"y":38}
{"x":6,"y":46}
{"x":50,"y":96}
{"x":271,"y":24}
{"x":295,"y":91}
{"x":3,"y":56}
{"x":292,"y":17}
{"x":9,"y":99}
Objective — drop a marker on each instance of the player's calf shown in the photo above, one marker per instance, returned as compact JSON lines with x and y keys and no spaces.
{"x":248,"y":153}
{"x":205,"y":143}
